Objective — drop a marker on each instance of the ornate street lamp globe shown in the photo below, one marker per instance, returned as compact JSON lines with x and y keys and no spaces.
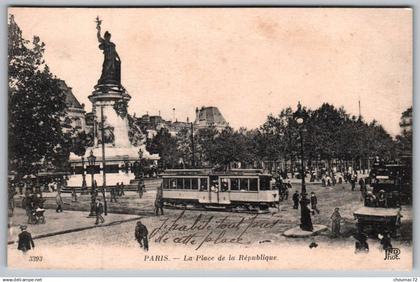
{"x":300,"y":120}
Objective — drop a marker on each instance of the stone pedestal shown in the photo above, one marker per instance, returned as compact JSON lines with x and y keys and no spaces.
{"x":297,"y":232}
{"x":109,"y":104}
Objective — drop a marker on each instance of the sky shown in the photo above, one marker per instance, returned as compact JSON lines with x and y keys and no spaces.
{"x":248,"y":62}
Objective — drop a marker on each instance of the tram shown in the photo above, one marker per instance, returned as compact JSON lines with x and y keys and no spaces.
{"x":234,"y":190}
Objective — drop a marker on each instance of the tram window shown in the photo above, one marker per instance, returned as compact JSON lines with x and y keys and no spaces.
{"x":203,"y":184}
{"x":224,"y":184}
{"x":214,"y":181}
{"x":194,"y":183}
{"x":179,"y":183}
{"x":173,"y":184}
{"x":244,"y":184}
{"x":165,"y":183}
{"x":187,"y":183}
{"x":234,"y":184}
{"x":253,"y":184}
{"x":264,"y":183}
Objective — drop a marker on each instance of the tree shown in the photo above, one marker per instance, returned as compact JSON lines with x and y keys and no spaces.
{"x":36,"y":105}
{"x":165,"y":145}
{"x":204,"y":141}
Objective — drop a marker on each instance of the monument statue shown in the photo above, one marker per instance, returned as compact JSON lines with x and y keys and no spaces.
{"x":111,"y":67}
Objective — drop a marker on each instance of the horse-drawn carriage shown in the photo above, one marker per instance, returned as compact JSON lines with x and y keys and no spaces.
{"x":391,"y":187}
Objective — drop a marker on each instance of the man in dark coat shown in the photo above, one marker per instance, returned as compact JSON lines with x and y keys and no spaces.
{"x":295,"y":199}
{"x":122,"y":189}
{"x":141,"y":234}
{"x":25,"y":240}
{"x":159,"y":203}
{"x":314,"y":203}
{"x":113,"y":194}
{"x":140,"y":187}
{"x":99,"y":209}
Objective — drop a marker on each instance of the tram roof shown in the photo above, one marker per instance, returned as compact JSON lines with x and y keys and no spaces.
{"x":207,"y":171}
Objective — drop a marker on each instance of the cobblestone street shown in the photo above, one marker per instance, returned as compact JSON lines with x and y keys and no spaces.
{"x":264,"y":230}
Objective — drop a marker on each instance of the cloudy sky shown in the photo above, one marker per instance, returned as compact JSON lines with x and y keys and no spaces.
{"x":247,"y":62}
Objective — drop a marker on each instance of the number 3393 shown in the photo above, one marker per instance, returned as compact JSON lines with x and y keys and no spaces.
{"x":35,"y":258}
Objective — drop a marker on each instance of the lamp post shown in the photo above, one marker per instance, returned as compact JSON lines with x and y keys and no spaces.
{"x":83,"y":175}
{"x":91,"y":161}
{"x":103,"y":160}
{"x":192,"y":146}
{"x":300,"y":116}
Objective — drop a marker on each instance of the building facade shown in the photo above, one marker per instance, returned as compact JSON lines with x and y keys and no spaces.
{"x":75,"y":113}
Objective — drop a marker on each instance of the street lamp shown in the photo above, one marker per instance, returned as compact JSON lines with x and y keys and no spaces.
{"x":83,"y":175}
{"x":192,"y":146}
{"x":91,"y":161}
{"x":300,"y":116}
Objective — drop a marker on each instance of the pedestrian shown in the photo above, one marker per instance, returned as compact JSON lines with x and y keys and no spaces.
{"x":25,"y":241}
{"x":362,"y":183}
{"x":385,"y":240}
{"x":140,"y":187}
{"x":122,"y":189}
{"x":361,"y":245}
{"x":159,"y":203}
{"x":285,"y":192}
{"x":74,"y":195}
{"x":312,"y":179}
{"x":335,"y":222}
{"x":279,"y":185}
{"x":353,"y":183}
{"x":141,"y":234}
{"x":314,"y":202}
{"x":117,"y":189}
{"x":99,"y":209}
{"x":11,"y":196}
{"x":92,"y":203}
{"x":305,"y":215}
{"x":113,"y":194}
{"x":295,"y":199}
{"x":328,"y":181}
{"x":59,"y":202}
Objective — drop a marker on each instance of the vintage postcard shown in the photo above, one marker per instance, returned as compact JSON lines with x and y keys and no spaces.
{"x":210,"y":138}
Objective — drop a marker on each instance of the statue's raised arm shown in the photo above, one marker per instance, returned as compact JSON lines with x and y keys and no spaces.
{"x":98,"y":27}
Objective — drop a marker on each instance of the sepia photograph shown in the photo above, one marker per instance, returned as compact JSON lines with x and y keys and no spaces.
{"x":210,"y":138}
